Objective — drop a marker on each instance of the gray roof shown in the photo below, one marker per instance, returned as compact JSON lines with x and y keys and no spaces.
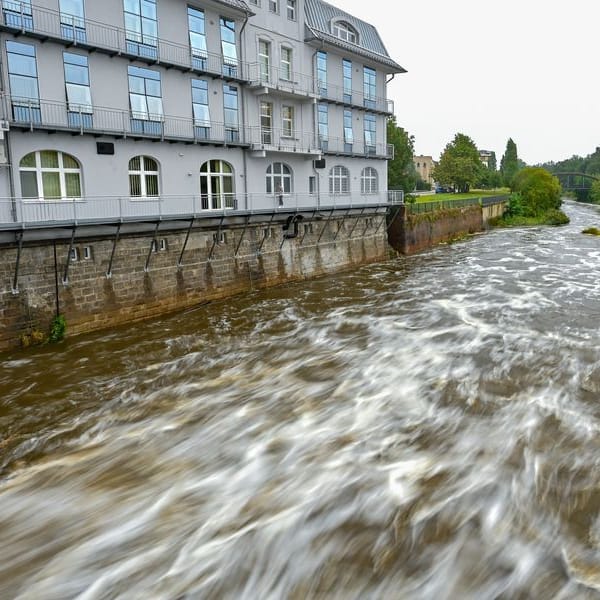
{"x":319,"y":16}
{"x":239,"y":4}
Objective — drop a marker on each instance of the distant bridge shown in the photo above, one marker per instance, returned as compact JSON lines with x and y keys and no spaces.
{"x":572,"y":181}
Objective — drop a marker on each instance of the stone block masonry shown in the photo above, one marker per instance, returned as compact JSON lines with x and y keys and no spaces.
{"x":210,"y":269}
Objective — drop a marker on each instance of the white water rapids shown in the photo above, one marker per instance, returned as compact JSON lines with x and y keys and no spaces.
{"x":424,"y":428}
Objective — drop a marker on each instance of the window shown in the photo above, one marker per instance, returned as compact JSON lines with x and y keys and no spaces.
{"x":17,"y":13}
{"x":279,"y":179}
{"x":230,"y":110}
{"x":370,"y":134}
{"x":323,"y":121}
{"x":285,"y":71}
{"x":87,"y":253}
{"x":228,"y":47}
{"x":348,"y":133}
{"x":339,"y":180}
{"x":369,"y":181}
{"x":50,"y":175}
{"x":197,"y":38}
{"x":143,"y":177}
{"x":22,"y":76}
{"x":322,"y":72}
{"x":77,"y":83}
{"x":145,"y":100}
{"x":141,"y":28}
{"x":274,"y":6}
{"x":266,"y":123}
{"x":370,"y":87}
{"x":216,"y":185}
{"x":200,"y":108}
{"x":345,"y":32}
{"x":264,"y":60}
{"x":72,"y":20}
{"x":312,"y":185}
{"x":287,"y":121}
{"x":347,"y":71}
{"x":291,"y":10}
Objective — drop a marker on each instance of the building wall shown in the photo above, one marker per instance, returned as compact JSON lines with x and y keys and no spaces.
{"x":92,"y":301}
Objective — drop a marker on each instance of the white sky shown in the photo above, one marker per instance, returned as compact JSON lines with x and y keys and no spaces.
{"x":526,"y":69}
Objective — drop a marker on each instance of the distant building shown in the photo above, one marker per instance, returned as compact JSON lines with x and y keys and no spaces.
{"x":486,"y":156}
{"x":424,"y":166}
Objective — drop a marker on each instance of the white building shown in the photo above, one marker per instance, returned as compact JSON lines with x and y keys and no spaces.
{"x":131,"y":109}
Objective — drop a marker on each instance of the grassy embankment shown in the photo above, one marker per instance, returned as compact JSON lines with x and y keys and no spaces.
{"x":455,"y":196}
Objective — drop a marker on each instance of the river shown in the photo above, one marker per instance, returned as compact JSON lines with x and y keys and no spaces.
{"x":424,"y":428}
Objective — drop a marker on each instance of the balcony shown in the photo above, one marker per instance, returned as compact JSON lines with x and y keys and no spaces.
{"x":56,"y":116}
{"x":281,"y":82}
{"x":340,"y":147}
{"x":340,"y":95}
{"x":18,"y":213}
{"x":264,"y":140}
{"x":45,"y":24}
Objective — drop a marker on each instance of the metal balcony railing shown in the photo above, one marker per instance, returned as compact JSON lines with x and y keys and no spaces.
{"x":45,"y":114}
{"x":332,"y":145}
{"x":282,"y":80}
{"x":26,"y":212}
{"x":43,"y":22}
{"x":355,"y":98}
{"x":280,"y":140}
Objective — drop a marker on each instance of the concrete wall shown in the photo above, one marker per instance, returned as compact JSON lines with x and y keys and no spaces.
{"x":90,"y":300}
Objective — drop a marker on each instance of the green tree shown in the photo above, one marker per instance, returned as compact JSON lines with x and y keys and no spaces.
{"x":509,"y":164}
{"x":537,"y":192}
{"x":595,"y":192}
{"x":460,"y":165}
{"x":401,"y":169}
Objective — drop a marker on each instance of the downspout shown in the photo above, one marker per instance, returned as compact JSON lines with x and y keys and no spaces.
{"x":244,"y":154}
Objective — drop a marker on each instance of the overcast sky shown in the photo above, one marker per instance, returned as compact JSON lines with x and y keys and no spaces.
{"x":526,"y":69}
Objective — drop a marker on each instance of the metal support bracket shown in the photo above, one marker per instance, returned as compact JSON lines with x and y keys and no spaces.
{"x":237,"y":248}
{"x":65,"y":278}
{"x":15,"y":285}
{"x":153,"y":246}
{"x":325,"y":226}
{"x":394,"y":219}
{"x":356,"y":222}
{"x":262,"y":241}
{"x":185,"y":243}
{"x":311,"y":220}
{"x":216,"y":238}
{"x":341,"y":225}
{"x":380,"y":222}
{"x":112,"y":254}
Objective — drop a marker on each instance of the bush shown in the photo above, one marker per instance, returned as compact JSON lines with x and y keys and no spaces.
{"x":539,"y":191}
{"x":556,"y":217}
{"x":57,"y":329}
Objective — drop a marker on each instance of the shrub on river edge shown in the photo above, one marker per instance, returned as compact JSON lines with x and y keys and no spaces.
{"x":535,"y":200}
{"x":592,"y":231}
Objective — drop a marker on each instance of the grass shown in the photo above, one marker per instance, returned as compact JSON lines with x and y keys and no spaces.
{"x":455,"y":196}
{"x":550,"y":217}
{"x":591,"y":231}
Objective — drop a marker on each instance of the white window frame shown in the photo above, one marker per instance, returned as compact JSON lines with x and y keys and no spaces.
{"x":61,"y":170}
{"x":280,"y":179}
{"x":344,"y":31}
{"x":339,"y":181}
{"x":369,"y":181}
{"x":286,"y":62}
{"x":287,"y":121}
{"x":274,"y":6}
{"x":291,"y":10}
{"x":143,"y":173}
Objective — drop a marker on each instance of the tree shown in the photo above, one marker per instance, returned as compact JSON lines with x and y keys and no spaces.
{"x":509,"y":165}
{"x":538,"y":191}
{"x":595,"y":192}
{"x":460,"y":165}
{"x":401,"y":169}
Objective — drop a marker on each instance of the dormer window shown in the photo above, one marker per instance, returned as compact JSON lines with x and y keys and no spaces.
{"x":345,"y":32}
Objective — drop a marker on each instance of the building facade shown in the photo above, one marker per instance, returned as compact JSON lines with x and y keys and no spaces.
{"x":424,"y":166}
{"x":134,"y":109}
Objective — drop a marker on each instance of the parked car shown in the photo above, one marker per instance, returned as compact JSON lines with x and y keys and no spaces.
{"x":444,"y":189}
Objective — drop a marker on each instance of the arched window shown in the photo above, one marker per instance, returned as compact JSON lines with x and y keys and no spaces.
{"x":143,"y":177}
{"x":50,"y":175}
{"x":217,"y":188}
{"x":279,"y":179}
{"x":345,"y":32}
{"x":369,"y":181}
{"x":339,"y":180}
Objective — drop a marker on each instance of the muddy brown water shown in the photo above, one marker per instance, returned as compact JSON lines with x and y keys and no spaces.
{"x":424,"y":428}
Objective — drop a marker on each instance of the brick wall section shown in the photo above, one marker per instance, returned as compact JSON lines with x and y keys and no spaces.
{"x":92,"y":301}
